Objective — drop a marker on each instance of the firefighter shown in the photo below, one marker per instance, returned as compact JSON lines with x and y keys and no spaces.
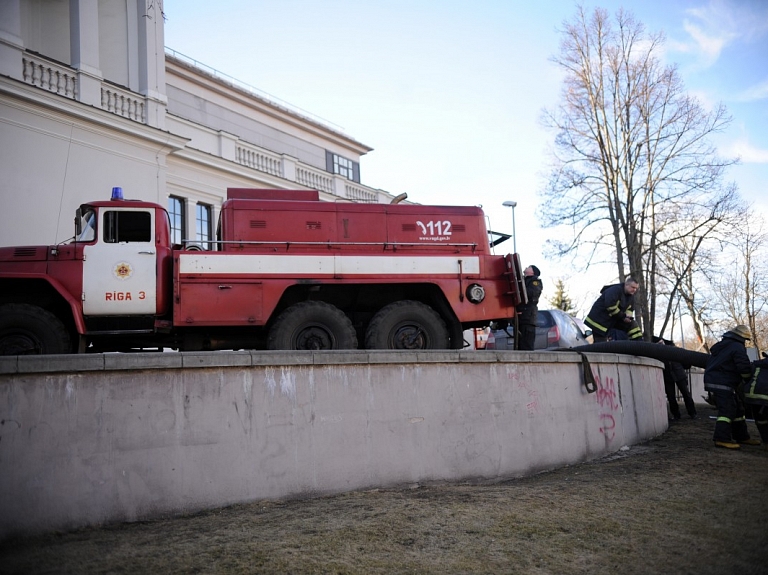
{"x":728,"y":369}
{"x":526,"y":313}
{"x":756,"y":395}
{"x":675,"y":377}
{"x":613,"y":310}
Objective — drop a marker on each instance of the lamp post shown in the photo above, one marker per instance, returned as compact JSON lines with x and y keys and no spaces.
{"x":512,"y":204}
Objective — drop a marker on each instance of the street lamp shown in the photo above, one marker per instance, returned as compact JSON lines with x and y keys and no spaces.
{"x":511,"y":204}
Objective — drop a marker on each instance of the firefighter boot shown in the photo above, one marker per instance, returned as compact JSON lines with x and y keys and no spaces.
{"x":727,"y":444}
{"x":723,"y":437}
{"x":750,"y":441}
{"x":741,"y":433}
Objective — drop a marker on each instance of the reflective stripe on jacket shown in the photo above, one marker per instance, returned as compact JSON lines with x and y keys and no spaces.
{"x":610,"y":309}
{"x":757,"y":389}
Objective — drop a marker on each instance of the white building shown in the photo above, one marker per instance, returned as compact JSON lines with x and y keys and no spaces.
{"x":91,"y":99}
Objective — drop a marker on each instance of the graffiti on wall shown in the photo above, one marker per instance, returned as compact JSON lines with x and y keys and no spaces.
{"x":608,"y":399}
{"x":532,"y":405}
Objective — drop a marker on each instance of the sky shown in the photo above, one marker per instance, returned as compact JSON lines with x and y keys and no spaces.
{"x":450,"y":94}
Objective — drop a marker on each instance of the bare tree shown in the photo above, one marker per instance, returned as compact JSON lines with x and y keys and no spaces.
{"x":633,"y":171}
{"x":742,"y":290}
{"x":688,"y":285}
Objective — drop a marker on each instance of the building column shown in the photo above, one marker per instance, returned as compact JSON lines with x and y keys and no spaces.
{"x":190,"y":217}
{"x":151,"y":24}
{"x":289,"y":167}
{"x":11,"y":44}
{"x":228,"y":146}
{"x":340,"y":186}
{"x":215,"y":210}
{"x":84,"y":38}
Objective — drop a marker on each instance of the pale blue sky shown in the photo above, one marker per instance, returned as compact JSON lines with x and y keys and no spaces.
{"x":449,"y":93}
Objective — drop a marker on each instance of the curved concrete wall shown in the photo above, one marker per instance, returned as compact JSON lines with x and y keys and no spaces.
{"x":101,"y":438}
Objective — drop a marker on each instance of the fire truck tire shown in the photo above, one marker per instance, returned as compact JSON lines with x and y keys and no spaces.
{"x":312,"y":325}
{"x":407,"y":325}
{"x":31,"y":330}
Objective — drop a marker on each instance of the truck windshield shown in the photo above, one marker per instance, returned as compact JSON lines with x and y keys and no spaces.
{"x":87,"y":226}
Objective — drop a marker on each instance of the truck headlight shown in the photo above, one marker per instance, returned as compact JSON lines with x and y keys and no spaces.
{"x":475,"y":293}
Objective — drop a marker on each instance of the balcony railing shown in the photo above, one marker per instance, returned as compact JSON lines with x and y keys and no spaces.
{"x":63,"y":80}
{"x":360,"y":194}
{"x":316,"y":179}
{"x":258,"y":159}
{"x":122,"y":102}
{"x":288,"y":168}
{"x":49,"y":76}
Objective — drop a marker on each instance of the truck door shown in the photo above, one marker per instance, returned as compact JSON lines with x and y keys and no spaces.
{"x":119,"y":271}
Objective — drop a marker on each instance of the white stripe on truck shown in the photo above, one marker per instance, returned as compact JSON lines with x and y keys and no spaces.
{"x":283,"y":264}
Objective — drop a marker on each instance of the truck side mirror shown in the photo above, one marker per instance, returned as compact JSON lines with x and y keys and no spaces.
{"x":78,"y":225}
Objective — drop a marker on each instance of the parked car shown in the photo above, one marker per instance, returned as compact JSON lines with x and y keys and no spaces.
{"x":554,"y":329}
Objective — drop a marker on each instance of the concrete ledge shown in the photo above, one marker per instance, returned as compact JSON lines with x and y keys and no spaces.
{"x":95,"y":439}
{"x":123,"y":361}
{"x":53,"y":363}
{"x":9,"y":364}
{"x":216,"y":359}
{"x":30,"y":364}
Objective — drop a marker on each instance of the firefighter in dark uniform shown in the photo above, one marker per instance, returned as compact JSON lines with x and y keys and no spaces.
{"x":728,"y":369}
{"x":676,"y":378}
{"x":756,"y":395}
{"x":526,"y":313}
{"x":614,"y":310}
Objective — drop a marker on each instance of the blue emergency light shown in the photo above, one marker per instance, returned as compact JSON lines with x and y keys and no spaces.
{"x":117,"y":193}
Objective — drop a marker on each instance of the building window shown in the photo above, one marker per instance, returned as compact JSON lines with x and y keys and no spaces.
{"x":204,"y":228}
{"x":342,"y":166}
{"x":176,"y":213}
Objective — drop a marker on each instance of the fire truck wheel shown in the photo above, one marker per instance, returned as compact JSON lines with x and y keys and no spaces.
{"x":312,"y":325}
{"x":407,"y":325}
{"x":30,"y":330}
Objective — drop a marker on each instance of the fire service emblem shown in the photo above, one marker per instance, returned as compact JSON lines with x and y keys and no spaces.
{"x":122,"y":271}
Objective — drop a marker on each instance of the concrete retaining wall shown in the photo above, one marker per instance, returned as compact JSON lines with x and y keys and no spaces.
{"x":112,"y":437}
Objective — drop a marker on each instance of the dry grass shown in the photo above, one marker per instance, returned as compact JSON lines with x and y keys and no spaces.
{"x":672,"y":505}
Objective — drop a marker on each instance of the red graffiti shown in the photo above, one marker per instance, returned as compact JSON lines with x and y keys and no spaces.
{"x":533,"y":405}
{"x":609,"y":425}
{"x":606,"y":393}
{"x":608,"y":399}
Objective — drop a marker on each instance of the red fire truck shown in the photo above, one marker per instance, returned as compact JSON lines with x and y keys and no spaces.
{"x":287,"y":271}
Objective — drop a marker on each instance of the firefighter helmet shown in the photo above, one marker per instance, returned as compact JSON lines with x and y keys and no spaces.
{"x":742,"y":331}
